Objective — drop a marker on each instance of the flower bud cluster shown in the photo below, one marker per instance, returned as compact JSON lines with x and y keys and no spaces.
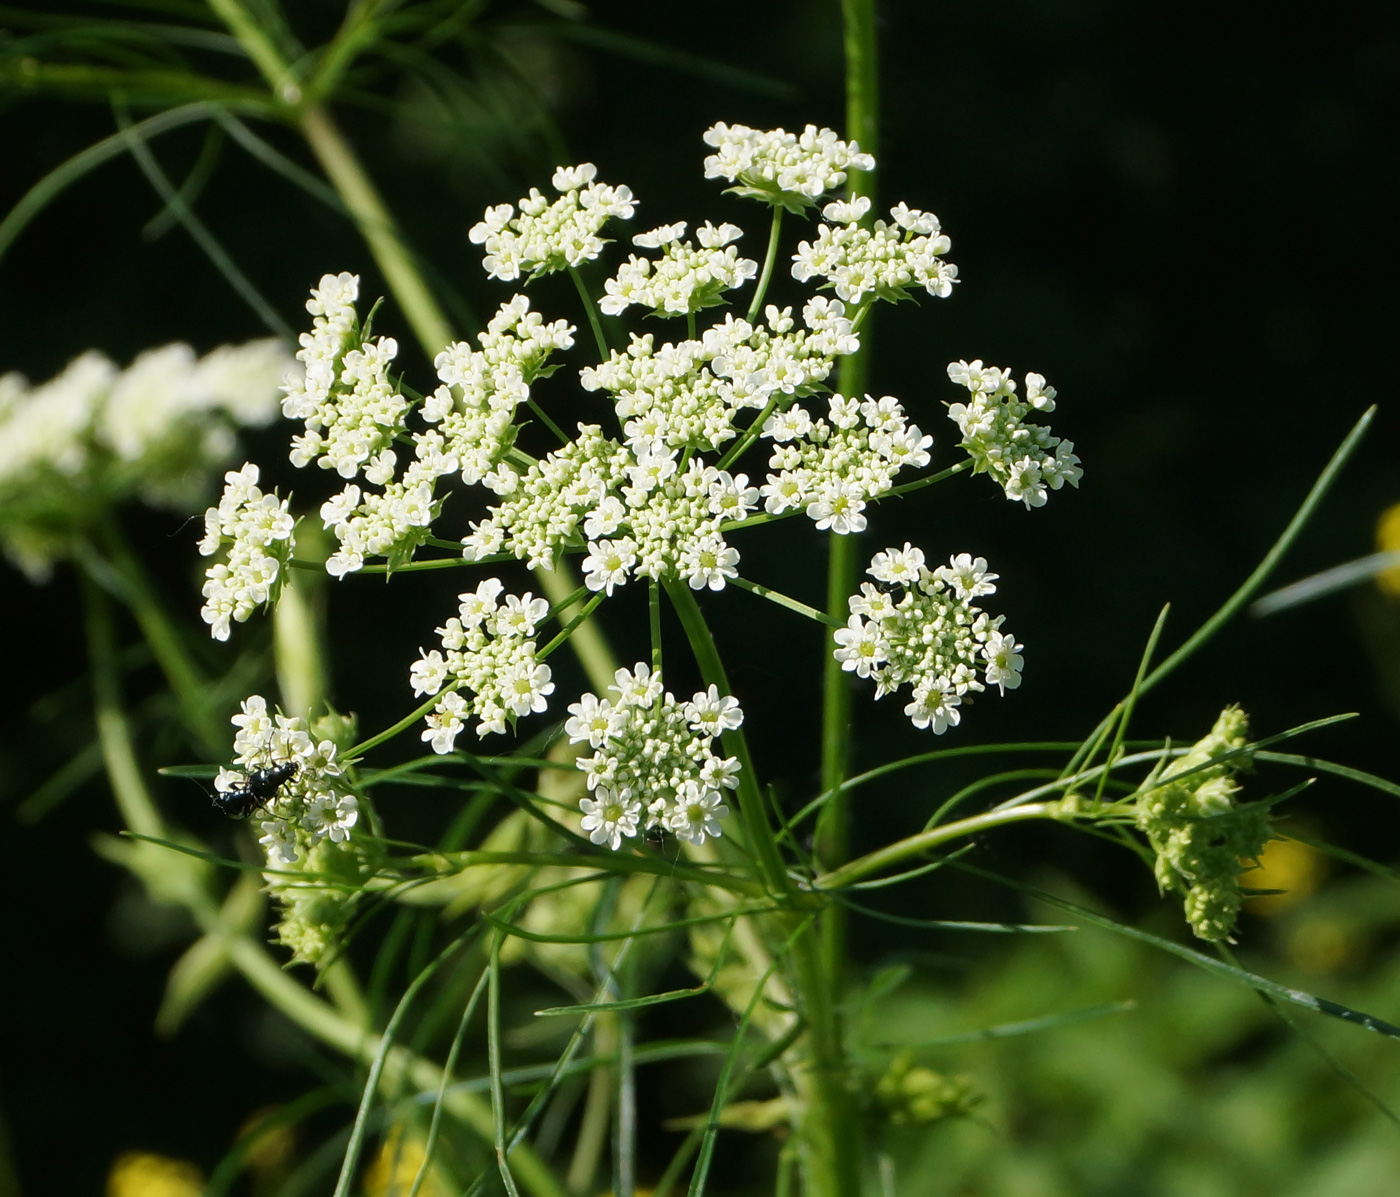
{"x":832,"y":467}
{"x":920,"y":626}
{"x":1023,"y":459}
{"x":685,"y":279}
{"x":546,"y":236}
{"x":257,"y":528}
{"x":1201,"y":835}
{"x":791,"y":170}
{"x":489,"y":663}
{"x":351,"y":408}
{"x":653,"y":765}
{"x":912,"y":1094}
{"x":311,"y":805}
{"x":97,"y":435}
{"x":885,"y":260}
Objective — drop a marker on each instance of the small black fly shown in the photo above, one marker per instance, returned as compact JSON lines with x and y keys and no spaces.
{"x":259,"y":788}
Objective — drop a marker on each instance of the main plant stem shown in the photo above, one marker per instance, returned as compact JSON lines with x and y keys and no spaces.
{"x":830,"y":1143}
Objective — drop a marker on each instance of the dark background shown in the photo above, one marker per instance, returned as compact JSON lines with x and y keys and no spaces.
{"x":1182,"y":215}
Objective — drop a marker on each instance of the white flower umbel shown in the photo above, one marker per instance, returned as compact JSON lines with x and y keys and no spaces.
{"x":684,"y":279}
{"x":257,"y":528}
{"x":791,"y":170}
{"x":488,"y":660}
{"x":311,"y":804}
{"x":886,"y":260}
{"x":919,"y":627}
{"x":546,"y":236}
{"x":1024,"y":459}
{"x":653,"y":754}
{"x":352,"y":411}
{"x":832,"y":467}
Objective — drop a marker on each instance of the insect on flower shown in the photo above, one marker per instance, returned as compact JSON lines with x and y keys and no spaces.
{"x":259,"y":788}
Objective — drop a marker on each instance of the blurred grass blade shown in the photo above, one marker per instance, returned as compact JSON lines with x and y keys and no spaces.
{"x":1029,"y":1026}
{"x":283,"y":1118}
{"x":637,"y":1003}
{"x":206,"y":240}
{"x":726,"y":1072}
{"x":1344,"y":1073}
{"x":81,"y":767}
{"x":1329,"y":581}
{"x":193,"y":186}
{"x":386,"y":1042}
{"x":610,"y":936}
{"x":902,"y":920}
{"x":38,"y":197}
{"x":1210,"y":964}
{"x":431,"y":1141}
{"x":493,"y":1055}
{"x":1315,"y":762}
{"x":203,"y":967}
{"x":271,"y":157}
{"x":1355,"y":859}
{"x":675,"y":61}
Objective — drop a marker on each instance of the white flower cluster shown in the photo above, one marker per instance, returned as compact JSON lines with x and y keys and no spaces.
{"x":96,"y":435}
{"x":481,"y":388}
{"x":473,"y":409}
{"x":831,"y":467}
{"x":257,"y":528}
{"x":688,"y":394}
{"x":1023,"y":459}
{"x":490,"y":654}
{"x":309,"y":806}
{"x":885,"y":260}
{"x":653,"y":765}
{"x":551,"y":236}
{"x":685,"y":279}
{"x":351,"y":409}
{"x":919,"y":626}
{"x":780,"y":168}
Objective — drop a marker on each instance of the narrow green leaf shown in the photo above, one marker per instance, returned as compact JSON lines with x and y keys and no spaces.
{"x":1006,"y":1030}
{"x":1209,"y":964}
{"x":39,"y":196}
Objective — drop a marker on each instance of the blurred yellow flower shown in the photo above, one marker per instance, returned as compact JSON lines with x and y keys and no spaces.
{"x":392,"y":1172}
{"x":1288,"y":865}
{"x":143,"y":1174}
{"x":1388,"y":541}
